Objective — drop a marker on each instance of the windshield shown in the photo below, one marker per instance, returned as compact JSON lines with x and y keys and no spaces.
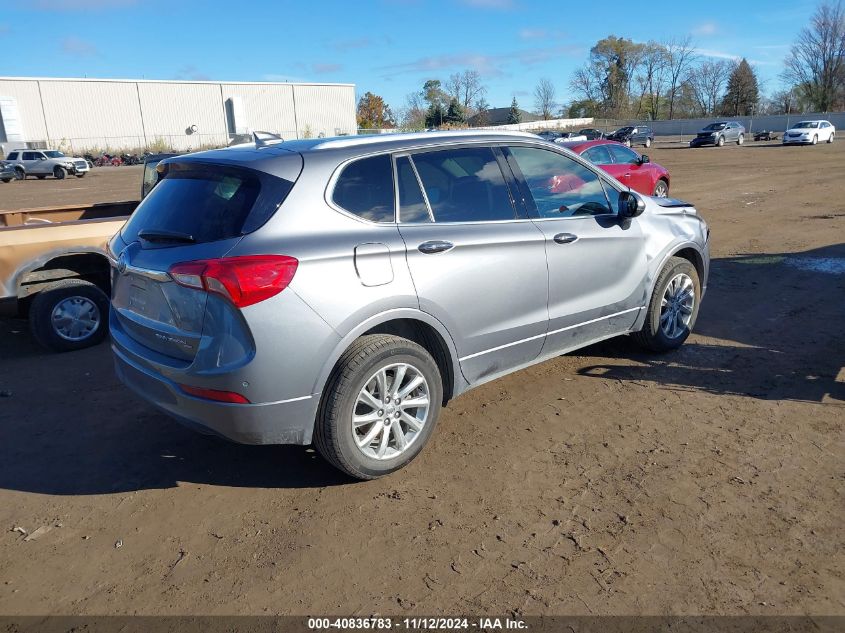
{"x":52,"y":153}
{"x":806,"y":124}
{"x":715,"y":126}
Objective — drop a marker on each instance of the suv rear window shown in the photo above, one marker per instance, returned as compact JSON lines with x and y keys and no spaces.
{"x":12,"y":156}
{"x":208,"y":203}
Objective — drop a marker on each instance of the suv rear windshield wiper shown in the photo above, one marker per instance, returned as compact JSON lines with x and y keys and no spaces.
{"x":162,"y":235}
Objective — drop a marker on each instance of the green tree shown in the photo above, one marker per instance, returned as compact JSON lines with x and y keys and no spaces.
{"x":374,"y":113}
{"x":433,"y":93}
{"x":608,"y":74}
{"x":743,"y":91}
{"x":514,"y":115}
{"x":455,"y":113}
{"x":435,"y":116}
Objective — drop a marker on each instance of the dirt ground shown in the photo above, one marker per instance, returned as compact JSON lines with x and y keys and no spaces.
{"x":101,"y":184}
{"x":707,"y":481}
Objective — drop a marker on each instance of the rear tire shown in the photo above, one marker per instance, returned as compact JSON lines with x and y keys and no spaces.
{"x":58,"y":173}
{"x":68,"y":315}
{"x":20,"y":174}
{"x":647,"y":143}
{"x":662,"y":331}
{"x":342,"y":443}
{"x":661,"y":189}
{"x":740,"y":140}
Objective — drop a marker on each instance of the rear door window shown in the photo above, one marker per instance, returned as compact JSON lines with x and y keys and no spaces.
{"x":207,"y":203}
{"x":464,"y":185}
{"x":365,"y":188}
{"x":598,"y":155}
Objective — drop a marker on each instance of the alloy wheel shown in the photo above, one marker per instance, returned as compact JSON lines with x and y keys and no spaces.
{"x":390,"y":411}
{"x":677,"y":306}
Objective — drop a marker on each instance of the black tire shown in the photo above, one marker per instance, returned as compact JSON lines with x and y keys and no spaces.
{"x":647,"y":143}
{"x":830,"y":138}
{"x":651,"y":336}
{"x":7,"y":180}
{"x":661,"y":189}
{"x":58,"y":173}
{"x":740,"y":139}
{"x":20,"y":174}
{"x":41,"y":314}
{"x":720,"y":141}
{"x":333,"y":434}
{"x":41,"y":176}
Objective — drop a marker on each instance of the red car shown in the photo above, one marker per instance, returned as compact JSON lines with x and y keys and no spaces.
{"x":624,"y":164}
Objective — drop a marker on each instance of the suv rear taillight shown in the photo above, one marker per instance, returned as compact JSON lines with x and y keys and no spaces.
{"x":242,"y":280}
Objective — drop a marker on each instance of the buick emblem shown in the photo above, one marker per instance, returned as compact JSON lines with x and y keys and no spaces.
{"x":121,"y":263}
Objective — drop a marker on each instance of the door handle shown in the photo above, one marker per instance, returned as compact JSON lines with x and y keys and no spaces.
{"x":565,"y":238}
{"x":435,"y":246}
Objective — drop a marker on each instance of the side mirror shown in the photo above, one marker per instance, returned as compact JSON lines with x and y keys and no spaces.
{"x":644,"y":159}
{"x":630,"y":204}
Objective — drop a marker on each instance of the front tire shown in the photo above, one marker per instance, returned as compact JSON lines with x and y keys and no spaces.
{"x":673,"y":308}
{"x":721,"y":141}
{"x":815,"y":139}
{"x":58,"y":173}
{"x":628,"y":143}
{"x":740,"y":140}
{"x":81,"y":175}
{"x":647,"y":142}
{"x":20,"y":174}
{"x":68,"y":315}
{"x":380,"y":406}
{"x":661,"y":189}
{"x":830,"y":138}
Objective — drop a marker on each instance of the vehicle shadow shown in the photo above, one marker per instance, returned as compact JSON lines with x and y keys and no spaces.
{"x":68,"y":427}
{"x":770,"y":328}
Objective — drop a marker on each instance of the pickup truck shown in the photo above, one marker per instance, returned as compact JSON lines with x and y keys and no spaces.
{"x":54,"y":269}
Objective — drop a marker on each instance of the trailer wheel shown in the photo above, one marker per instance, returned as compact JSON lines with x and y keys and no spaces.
{"x":69,"y":314}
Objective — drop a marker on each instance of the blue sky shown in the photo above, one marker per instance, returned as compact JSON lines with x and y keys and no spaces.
{"x":385,"y":46}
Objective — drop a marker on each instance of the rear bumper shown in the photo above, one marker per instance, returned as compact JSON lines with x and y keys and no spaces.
{"x":283,"y":422}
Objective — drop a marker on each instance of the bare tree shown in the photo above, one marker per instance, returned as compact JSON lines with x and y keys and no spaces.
{"x":708,"y":81}
{"x":412,"y":115}
{"x":466,"y":88}
{"x":816,"y":64}
{"x":679,"y":55}
{"x":544,"y":99}
{"x":651,"y":77}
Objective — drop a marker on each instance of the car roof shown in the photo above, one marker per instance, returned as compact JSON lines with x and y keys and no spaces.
{"x":581,"y":146}
{"x":351,"y":146}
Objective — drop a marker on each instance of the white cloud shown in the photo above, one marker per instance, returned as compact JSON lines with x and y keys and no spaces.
{"x":76,"y":46}
{"x":705,"y":29}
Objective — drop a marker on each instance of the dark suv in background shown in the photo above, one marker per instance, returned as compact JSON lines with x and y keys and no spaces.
{"x":633,"y":135}
{"x":719,"y":133}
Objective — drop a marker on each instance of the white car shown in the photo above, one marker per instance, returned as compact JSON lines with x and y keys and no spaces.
{"x":45,"y":162}
{"x":570,"y":137}
{"x":810,"y":133}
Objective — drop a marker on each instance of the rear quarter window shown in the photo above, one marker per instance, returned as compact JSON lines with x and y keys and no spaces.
{"x":365,"y":188}
{"x":208,"y":202}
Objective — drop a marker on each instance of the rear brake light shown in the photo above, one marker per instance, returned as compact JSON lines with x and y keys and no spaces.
{"x":243,"y":280}
{"x":214,"y":394}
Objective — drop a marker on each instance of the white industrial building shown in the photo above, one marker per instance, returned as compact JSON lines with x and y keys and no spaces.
{"x":115,"y":114}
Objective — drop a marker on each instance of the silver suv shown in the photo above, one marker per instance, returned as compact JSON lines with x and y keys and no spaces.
{"x":341,"y":291}
{"x":46,"y":162}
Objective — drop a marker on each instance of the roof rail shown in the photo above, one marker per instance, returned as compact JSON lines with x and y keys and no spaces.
{"x":263,"y":139}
